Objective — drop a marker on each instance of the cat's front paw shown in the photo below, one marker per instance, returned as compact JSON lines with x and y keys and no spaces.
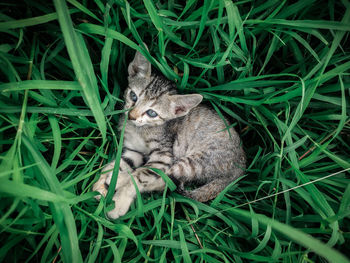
{"x":180,"y":186}
{"x":117,"y":212}
{"x":122,"y":201}
{"x":101,"y":187}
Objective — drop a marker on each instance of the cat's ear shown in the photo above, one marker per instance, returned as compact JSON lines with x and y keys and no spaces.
{"x":140,"y":67}
{"x":180,"y":105}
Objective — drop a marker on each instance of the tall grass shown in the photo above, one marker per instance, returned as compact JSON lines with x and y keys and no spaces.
{"x":279,"y":70}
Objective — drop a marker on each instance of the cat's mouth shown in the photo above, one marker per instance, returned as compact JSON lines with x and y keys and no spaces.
{"x":137,"y":123}
{"x":143,"y":124}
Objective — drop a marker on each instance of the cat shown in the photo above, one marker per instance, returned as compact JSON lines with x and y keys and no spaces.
{"x":174,"y":133}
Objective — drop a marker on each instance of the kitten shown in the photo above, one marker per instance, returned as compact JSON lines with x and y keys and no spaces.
{"x":171,"y":132}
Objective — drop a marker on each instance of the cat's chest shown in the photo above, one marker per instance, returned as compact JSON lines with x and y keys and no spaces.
{"x":143,"y":139}
{"x":134,"y":139}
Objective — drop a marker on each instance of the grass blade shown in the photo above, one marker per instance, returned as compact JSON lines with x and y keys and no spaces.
{"x":82,"y":65}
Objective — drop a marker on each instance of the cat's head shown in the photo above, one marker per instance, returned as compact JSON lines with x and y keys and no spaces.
{"x":151,"y":98}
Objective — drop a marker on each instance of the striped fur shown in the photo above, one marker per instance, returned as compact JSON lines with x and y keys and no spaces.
{"x":186,"y":140}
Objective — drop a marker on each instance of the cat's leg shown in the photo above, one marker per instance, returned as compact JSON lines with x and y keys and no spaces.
{"x":208,"y":191}
{"x":187,"y":169}
{"x":100,"y":185}
{"x":103,"y":182}
{"x":146,"y":181}
{"x":130,"y":159}
{"x":122,"y":200}
{"x":200,"y":167}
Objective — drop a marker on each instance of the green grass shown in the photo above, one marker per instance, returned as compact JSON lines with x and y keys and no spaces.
{"x":279,"y":70}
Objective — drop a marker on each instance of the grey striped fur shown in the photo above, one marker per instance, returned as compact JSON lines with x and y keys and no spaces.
{"x":188,"y":141}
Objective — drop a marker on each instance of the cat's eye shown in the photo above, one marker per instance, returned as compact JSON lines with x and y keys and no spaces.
{"x":152,"y":113}
{"x":133,"y":96}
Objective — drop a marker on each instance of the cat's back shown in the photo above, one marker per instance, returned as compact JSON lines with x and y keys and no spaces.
{"x":203,"y":129}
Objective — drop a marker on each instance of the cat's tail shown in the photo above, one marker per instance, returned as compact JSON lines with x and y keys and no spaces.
{"x":208,"y":191}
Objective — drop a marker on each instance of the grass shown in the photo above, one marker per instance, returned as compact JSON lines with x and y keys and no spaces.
{"x":279,"y":70}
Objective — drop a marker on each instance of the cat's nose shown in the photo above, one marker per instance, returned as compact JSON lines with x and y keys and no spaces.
{"x":132,"y":115}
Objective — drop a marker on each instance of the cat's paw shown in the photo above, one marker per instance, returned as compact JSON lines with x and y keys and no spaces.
{"x":116,"y":213}
{"x":180,"y":186}
{"x":101,"y":187}
{"x":122,"y":206}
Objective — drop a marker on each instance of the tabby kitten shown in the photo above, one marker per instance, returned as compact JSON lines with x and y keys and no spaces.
{"x":171,"y":132}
